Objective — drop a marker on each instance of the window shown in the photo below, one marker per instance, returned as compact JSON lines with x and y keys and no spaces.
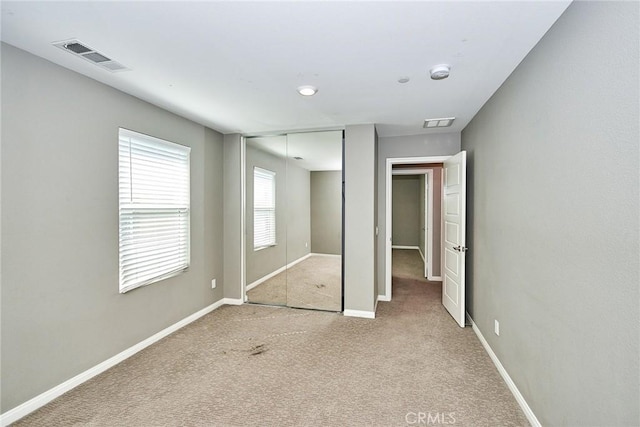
{"x":264,"y":208}
{"x":154,"y":209}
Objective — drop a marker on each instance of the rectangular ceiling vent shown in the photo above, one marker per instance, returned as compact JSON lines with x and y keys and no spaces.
{"x":78,"y":48}
{"x":438,"y":123}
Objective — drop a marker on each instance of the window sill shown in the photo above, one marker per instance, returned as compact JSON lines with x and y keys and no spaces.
{"x":265,"y":247}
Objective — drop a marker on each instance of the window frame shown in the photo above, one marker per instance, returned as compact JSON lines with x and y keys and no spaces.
{"x":272,"y":241}
{"x":154,"y":209}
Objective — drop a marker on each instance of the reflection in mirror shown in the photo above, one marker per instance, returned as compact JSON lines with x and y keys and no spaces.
{"x":315,"y":280}
{"x":294,"y":220}
{"x":266,"y":249}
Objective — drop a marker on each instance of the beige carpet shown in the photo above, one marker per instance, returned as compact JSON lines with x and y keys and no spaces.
{"x":407,"y":264}
{"x":264,"y":366}
{"x":314,"y":283}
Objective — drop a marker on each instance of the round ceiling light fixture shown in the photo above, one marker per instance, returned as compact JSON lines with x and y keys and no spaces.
{"x":440,"y":72}
{"x":307,"y":90}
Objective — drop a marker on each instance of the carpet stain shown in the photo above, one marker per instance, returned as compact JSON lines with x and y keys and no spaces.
{"x":320,"y":286}
{"x":257,"y":349}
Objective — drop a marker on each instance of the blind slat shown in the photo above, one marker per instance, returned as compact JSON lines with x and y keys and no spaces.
{"x":154,"y":187}
{"x":264,"y":208}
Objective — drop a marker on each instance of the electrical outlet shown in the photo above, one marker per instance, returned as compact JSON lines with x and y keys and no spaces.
{"x":496,"y":328}
{"x":213,"y":283}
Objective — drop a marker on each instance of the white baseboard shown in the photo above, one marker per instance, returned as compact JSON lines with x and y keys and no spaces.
{"x":421,"y":255}
{"x":232,"y":301}
{"x":383,"y":298}
{"x":360,"y":313}
{"x":276,"y":272}
{"x":505,"y":376}
{"x":434,"y":278}
{"x":42,"y":399}
{"x":417,"y":248}
{"x":327,"y":255}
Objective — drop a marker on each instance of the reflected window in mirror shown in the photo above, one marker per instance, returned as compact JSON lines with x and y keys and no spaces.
{"x":264,"y":208}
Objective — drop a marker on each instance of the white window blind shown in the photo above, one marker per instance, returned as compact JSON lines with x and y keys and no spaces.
{"x":264,"y":208}
{"x":154,"y":209}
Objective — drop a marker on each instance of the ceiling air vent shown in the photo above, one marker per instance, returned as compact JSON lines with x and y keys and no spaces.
{"x":438,"y":123}
{"x":78,"y":48}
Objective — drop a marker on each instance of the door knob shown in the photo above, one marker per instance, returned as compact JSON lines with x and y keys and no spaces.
{"x":460,"y":248}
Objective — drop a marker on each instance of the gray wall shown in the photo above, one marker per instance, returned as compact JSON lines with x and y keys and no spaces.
{"x":233,"y":226}
{"x":439,"y":144}
{"x":553,"y":225}
{"x":293,"y":218}
{"x":61,"y":310}
{"x":298,"y":212}
{"x":326,"y":212}
{"x":405,"y":210}
{"x":359,"y":252}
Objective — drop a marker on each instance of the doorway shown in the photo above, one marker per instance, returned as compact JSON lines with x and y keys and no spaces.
{"x":417,"y":213}
{"x":453,"y":226}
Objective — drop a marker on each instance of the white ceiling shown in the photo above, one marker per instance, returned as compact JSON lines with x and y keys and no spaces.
{"x":235,"y":66}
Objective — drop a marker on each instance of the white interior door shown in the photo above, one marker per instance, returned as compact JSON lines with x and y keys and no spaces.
{"x":454,"y":185}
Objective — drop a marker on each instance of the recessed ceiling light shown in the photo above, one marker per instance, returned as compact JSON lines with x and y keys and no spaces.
{"x":438,"y":123}
{"x":307,"y":90}
{"x":440,"y":72}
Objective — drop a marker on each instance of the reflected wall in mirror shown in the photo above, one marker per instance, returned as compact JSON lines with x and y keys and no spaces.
{"x":316,"y":281}
{"x":265,"y":262}
{"x":303,"y":266}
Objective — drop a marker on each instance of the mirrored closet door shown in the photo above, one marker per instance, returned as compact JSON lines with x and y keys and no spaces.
{"x":294,"y":220}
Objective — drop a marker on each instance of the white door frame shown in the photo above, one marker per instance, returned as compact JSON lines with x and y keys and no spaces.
{"x":428,"y":224}
{"x":390,"y":161}
{"x":243,"y":222}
